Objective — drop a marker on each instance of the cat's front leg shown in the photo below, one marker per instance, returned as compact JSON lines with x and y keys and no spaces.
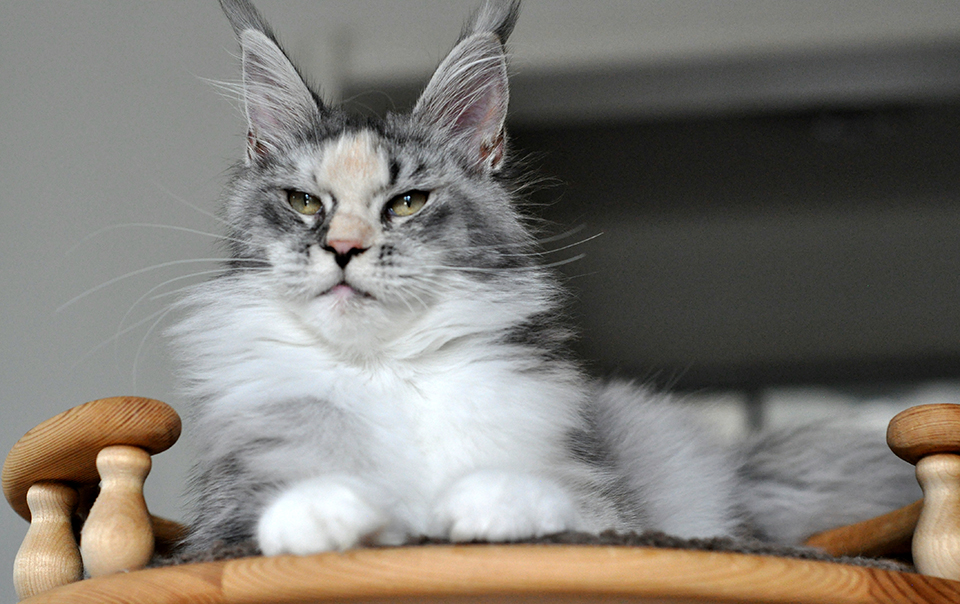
{"x":322,"y":514}
{"x":503,"y":505}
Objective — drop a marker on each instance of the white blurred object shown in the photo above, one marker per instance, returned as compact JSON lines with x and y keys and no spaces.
{"x":783,"y":407}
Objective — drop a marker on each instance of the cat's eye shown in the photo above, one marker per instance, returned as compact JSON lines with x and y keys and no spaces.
{"x":304,"y":203}
{"x":407,"y":204}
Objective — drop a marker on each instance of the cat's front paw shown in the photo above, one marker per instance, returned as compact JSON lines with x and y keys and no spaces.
{"x":319,"y":515}
{"x":497,"y":505}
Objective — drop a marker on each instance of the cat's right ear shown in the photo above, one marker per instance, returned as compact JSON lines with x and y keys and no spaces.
{"x":278,"y":103}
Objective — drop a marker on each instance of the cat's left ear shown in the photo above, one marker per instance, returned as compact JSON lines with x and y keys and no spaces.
{"x":467,"y":99}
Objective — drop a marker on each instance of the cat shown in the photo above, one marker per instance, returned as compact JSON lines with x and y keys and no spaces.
{"x":384,"y":357}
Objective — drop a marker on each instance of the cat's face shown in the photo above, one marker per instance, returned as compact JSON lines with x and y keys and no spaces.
{"x":361,"y":230}
{"x":365,"y":226}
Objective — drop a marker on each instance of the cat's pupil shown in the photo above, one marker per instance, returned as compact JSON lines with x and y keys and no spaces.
{"x":304,"y":203}
{"x":407,"y":204}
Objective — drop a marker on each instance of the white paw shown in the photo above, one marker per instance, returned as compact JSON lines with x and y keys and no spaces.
{"x":504,"y":506}
{"x":318,"y":515}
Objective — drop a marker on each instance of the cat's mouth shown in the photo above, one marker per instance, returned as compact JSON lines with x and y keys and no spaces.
{"x":343,"y":291}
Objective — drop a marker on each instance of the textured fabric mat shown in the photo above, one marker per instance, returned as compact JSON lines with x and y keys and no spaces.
{"x":223,"y":551}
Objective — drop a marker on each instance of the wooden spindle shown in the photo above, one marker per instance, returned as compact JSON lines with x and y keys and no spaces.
{"x":936,"y":540}
{"x":118,"y":535}
{"x":48,"y":556}
{"x":929,"y":436}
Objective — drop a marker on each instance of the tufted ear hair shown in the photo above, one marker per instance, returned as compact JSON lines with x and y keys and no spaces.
{"x":467,"y":96}
{"x":278,"y":103}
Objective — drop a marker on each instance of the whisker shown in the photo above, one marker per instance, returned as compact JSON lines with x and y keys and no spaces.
{"x":563,"y":262}
{"x":143,"y":341}
{"x":141,"y":271}
{"x":164,"y":284}
{"x":425,"y":290}
{"x":563,"y":235}
{"x":532,"y":254}
{"x":192,"y":206}
{"x":568,"y":246}
{"x":116,"y":336}
{"x":169,"y":227}
{"x":406,"y":302}
{"x":174,"y":292}
{"x":480,"y":269}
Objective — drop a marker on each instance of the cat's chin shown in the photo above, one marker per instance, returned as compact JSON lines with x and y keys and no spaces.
{"x":348,"y":318}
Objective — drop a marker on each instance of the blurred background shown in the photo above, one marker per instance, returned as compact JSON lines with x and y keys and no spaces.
{"x":775,"y":186}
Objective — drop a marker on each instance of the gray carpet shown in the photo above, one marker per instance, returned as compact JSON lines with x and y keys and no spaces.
{"x":647,"y":539}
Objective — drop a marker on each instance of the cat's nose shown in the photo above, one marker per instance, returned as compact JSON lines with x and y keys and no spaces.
{"x":344,"y":249}
{"x":347,"y":236}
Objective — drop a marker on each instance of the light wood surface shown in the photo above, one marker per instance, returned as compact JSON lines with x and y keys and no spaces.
{"x":118,"y":534}
{"x":936,"y":547}
{"x":65,"y":448}
{"x":513,"y":573}
{"x":48,"y":556}
{"x":929,"y":436}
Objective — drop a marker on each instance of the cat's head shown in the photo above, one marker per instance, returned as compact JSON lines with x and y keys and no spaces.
{"x":367,"y":223}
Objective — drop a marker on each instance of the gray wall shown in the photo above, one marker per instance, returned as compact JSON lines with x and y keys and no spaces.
{"x":106,"y":120}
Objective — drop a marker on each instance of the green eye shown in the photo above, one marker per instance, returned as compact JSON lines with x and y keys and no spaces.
{"x":407,"y":204}
{"x":304,"y":203}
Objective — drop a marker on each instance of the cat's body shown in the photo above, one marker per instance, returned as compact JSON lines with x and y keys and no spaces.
{"x":385,"y":358}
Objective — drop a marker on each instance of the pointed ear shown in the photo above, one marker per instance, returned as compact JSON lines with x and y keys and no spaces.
{"x":467,"y":99}
{"x":278,"y":103}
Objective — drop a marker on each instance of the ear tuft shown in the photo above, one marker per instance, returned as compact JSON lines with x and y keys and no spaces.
{"x":493,"y":16}
{"x":243,"y":16}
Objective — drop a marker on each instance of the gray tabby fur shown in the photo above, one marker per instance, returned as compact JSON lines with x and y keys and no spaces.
{"x":363,"y":377}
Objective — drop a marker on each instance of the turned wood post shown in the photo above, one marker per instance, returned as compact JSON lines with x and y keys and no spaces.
{"x":929,"y":437}
{"x":106,"y":442}
{"x":48,"y":556}
{"x":117,"y":534}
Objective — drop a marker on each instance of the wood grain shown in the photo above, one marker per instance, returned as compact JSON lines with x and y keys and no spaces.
{"x":510,"y":573}
{"x":167,"y":534}
{"x":188,"y":584}
{"x":925,"y":430}
{"x":888,"y":535}
{"x":118,"y":534}
{"x":64,"y":448}
{"x":48,"y":556}
{"x":936,"y":543}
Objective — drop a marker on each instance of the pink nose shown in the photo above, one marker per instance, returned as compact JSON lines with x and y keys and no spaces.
{"x":343,"y":247}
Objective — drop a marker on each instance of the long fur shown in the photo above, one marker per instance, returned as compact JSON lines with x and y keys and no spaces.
{"x":363,"y":374}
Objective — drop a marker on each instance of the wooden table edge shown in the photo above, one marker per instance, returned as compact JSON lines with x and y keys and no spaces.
{"x":576,"y":572}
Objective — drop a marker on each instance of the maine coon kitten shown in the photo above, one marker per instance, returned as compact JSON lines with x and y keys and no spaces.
{"x":384,"y":358}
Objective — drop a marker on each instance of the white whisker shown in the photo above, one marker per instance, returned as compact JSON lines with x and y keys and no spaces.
{"x":506,"y":269}
{"x":141,"y":271}
{"x":136,"y":357}
{"x":169,"y":227}
{"x":531,"y":254}
{"x":164,"y":284}
{"x":563,"y":235}
{"x":193,"y":206}
{"x":116,"y":336}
